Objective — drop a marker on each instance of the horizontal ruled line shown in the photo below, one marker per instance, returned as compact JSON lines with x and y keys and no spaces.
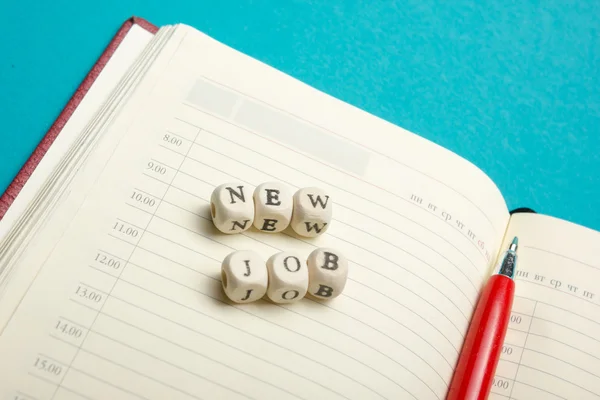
{"x":104,"y":272}
{"x":569,"y":328}
{"x":559,"y":308}
{"x":146,"y":193}
{"x":72,"y":322}
{"x":126,"y":241}
{"x":563,"y":256}
{"x":563,"y":343}
{"x":164,"y":164}
{"x":155,"y":178}
{"x":137,"y":208}
{"x":560,"y":378}
{"x":112,"y":255}
{"x":55,"y":384}
{"x":561,"y":360}
{"x":106,"y":382}
{"x":129,"y":223}
{"x":81,"y":283}
{"x":62,"y":387}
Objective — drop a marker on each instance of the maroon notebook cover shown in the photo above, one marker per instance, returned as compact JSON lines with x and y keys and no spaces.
{"x":17,"y":184}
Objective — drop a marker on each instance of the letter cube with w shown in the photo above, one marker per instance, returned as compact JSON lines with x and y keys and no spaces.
{"x":312,"y":212}
{"x":232,"y":207}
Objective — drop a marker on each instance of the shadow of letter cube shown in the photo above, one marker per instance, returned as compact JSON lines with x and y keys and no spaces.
{"x":244,"y":276}
{"x":273,"y":205}
{"x":288,"y":277}
{"x":232,"y":207}
{"x":328,"y":272}
{"x":312,"y":212}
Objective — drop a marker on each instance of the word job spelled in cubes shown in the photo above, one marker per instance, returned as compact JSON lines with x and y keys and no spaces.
{"x":271,"y":208}
{"x":285,"y":277}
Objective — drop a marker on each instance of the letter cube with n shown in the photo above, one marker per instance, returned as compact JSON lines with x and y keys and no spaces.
{"x":232,"y":207}
{"x":273,"y":205}
{"x":327,"y":273}
{"x":312,"y":212}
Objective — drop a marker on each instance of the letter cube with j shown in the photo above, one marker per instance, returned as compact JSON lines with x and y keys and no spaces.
{"x":273,"y":205}
{"x":288,"y":277}
{"x":244,"y":276}
{"x":328,"y":272}
{"x":232,"y":207}
{"x":312,"y":212}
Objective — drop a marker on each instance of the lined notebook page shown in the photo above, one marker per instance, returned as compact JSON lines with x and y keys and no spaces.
{"x":128,"y":304}
{"x":552,"y":349}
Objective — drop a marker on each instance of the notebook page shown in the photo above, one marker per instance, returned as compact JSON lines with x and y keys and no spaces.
{"x":552,"y":349}
{"x":129,"y":303}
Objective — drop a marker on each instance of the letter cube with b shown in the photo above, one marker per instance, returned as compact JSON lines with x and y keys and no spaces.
{"x":288,"y":277}
{"x":244,"y":276}
{"x":328,"y":272}
{"x":232,"y":207}
{"x":273,"y":205}
{"x":312,"y":212}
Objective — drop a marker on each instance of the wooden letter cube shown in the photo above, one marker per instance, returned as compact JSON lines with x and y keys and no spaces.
{"x":232,"y":207}
{"x":244,"y":276}
{"x":288,"y":277}
{"x":273,"y":205}
{"x":328,"y":272}
{"x":312,"y":212}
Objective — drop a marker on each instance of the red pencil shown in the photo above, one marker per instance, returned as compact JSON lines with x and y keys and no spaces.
{"x":478,"y":359}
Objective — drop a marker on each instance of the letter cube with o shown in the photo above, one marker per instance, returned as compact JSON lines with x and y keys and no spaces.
{"x":328,"y":272}
{"x":312,"y":212}
{"x":273,"y":205}
{"x":244,"y":276}
{"x":232,"y":207}
{"x":288,"y":277}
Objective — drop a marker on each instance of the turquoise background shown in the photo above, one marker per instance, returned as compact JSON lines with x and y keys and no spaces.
{"x":510,"y":85}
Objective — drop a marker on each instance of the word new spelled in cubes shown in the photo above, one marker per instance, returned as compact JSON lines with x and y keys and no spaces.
{"x":273,"y":205}
{"x":327,"y":273}
{"x":312,"y":212}
{"x":244,"y":276}
{"x":288,"y":277}
{"x":232,"y":207}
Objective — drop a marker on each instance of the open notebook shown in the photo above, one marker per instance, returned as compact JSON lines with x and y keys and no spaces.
{"x":110,"y":265}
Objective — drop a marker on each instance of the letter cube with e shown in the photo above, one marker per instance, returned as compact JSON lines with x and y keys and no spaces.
{"x":232,"y":207}
{"x":288,"y":277}
{"x":244,"y":276}
{"x":312,"y":212}
{"x":328,"y":272}
{"x":273,"y":205}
